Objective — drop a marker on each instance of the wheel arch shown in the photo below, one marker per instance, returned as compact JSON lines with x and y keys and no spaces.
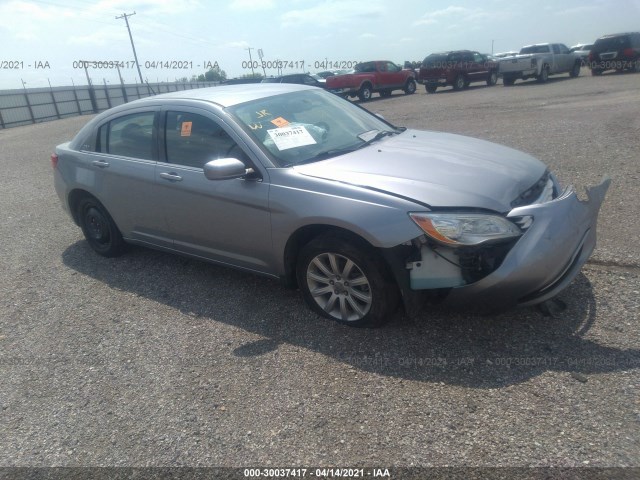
{"x":303,"y":235}
{"x":73,"y":199}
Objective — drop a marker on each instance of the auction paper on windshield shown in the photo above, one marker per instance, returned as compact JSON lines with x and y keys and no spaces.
{"x":291,"y":137}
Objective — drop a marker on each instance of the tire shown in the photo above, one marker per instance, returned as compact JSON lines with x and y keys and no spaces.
{"x":431,"y":88}
{"x":365,"y":92}
{"x":361,"y":298}
{"x":575,"y":71}
{"x":459,"y":82}
{"x":410,"y":87}
{"x":596,"y":72}
{"x":544,"y":74}
{"x":493,"y":78}
{"x":385,"y":93}
{"x":508,"y":81}
{"x":99,"y":229}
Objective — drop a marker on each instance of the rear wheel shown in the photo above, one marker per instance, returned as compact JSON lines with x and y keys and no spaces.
{"x":365,"y":92}
{"x":99,"y":229}
{"x":459,"y":83}
{"x":596,"y":72}
{"x":544,"y":74}
{"x":575,"y":71}
{"x":508,"y":81}
{"x":410,"y":87}
{"x":344,"y":280}
{"x":431,"y":88}
{"x":385,"y":93}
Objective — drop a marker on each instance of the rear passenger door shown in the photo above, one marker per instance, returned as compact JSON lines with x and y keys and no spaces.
{"x":227,"y":221}
{"x":121,"y":171}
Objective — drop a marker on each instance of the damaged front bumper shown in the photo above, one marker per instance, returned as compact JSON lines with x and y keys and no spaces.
{"x":540,"y":264}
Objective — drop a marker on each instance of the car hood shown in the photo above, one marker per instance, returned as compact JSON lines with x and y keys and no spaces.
{"x":436,"y":169}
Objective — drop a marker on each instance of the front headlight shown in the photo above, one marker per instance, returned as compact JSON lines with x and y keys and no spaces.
{"x":464,"y":229}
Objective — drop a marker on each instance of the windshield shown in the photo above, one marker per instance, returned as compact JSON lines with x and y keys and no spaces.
{"x":308,"y":126}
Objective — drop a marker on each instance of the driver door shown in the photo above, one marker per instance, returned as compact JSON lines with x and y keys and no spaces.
{"x":227,"y":221}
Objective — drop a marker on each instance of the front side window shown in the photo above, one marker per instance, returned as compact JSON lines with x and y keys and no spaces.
{"x":129,"y":136}
{"x":193,"y":140}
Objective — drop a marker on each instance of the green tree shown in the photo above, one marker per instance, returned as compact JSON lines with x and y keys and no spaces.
{"x":215,"y":74}
{"x":252,"y":75}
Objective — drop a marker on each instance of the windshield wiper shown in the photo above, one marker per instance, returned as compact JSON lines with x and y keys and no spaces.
{"x":375,"y":138}
{"x":342,"y":151}
{"x":324,"y":156}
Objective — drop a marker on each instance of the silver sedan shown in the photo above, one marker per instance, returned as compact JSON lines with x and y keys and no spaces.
{"x":293,"y":182}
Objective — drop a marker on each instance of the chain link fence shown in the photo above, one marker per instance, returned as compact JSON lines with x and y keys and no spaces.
{"x":34,"y":105}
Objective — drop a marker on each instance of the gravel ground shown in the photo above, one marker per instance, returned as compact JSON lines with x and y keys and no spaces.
{"x":155,"y":360}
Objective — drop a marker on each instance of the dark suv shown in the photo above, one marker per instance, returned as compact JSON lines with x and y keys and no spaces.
{"x":619,"y":52}
{"x":458,"y":69}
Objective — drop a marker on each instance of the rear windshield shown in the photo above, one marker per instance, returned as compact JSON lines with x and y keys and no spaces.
{"x":434,"y":60}
{"x":611,"y":44}
{"x":535,"y":49}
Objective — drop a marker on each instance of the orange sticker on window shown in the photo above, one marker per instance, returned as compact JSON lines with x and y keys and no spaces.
{"x":186,"y":129}
{"x":280,"y":122}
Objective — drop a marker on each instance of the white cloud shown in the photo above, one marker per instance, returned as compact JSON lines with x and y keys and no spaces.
{"x":332,"y":12}
{"x":452,"y":15}
{"x":251,"y":5}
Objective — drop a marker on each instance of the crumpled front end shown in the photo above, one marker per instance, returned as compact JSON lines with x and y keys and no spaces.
{"x":559,"y":236}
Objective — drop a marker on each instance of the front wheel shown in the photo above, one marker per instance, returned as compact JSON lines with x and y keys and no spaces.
{"x":430,"y":88}
{"x":99,"y":229}
{"x":410,"y":87}
{"x":365,"y":93}
{"x":344,"y":280}
{"x":508,"y":81}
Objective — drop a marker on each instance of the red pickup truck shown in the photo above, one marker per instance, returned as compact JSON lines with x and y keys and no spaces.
{"x":368,"y":77}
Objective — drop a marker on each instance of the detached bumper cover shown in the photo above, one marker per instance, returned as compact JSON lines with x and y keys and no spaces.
{"x":546,"y":258}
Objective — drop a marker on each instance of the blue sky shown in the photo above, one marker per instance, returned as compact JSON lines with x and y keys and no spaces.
{"x":53,"y":34}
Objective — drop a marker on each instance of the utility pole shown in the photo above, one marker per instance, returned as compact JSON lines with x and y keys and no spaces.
{"x":135,"y":55}
{"x":253,"y":73}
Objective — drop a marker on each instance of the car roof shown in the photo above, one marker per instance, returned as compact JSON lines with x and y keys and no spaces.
{"x":226,"y":95}
{"x":618,"y":34}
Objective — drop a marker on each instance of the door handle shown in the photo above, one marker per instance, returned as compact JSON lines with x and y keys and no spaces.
{"x":172,"y":177}
{"x":100,"y":163}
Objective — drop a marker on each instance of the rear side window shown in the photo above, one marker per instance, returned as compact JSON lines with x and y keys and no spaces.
{"x":129,"y":136}
{"x":611,"y":44}
{"x":435,"y":61}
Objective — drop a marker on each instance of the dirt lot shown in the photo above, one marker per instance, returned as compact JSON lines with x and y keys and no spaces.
{"x":154,"y":360}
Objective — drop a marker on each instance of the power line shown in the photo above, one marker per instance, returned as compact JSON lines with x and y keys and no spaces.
{"x":135,"y":55}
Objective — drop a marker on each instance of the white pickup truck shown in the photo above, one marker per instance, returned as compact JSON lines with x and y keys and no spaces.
{"x":539,"y":61}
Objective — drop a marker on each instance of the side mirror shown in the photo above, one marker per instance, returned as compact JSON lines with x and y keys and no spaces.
{"x":224,"y":169}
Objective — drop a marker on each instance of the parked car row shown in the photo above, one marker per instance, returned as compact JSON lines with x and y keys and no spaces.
{"x":460,"y":68}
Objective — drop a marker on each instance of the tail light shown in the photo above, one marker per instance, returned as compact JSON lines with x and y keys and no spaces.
{"x":54,"y":160}
{"x":628,"y":52}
